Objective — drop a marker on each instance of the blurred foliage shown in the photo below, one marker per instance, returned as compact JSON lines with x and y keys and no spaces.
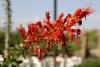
{"x":14,"y":50}
{"x":15,"y":53}
{"x":91,"y":62}
{"x":92,"y":39}
{"x":14,"y":39}
{"x":1,"y":41}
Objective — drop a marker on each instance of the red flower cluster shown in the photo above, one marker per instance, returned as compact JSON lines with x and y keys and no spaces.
{"x":52,"y":32}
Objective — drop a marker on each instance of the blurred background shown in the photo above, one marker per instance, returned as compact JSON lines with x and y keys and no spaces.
{"x":16,"y":12}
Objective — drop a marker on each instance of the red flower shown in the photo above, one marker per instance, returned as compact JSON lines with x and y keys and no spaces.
{"x":71,"y":22}
{"x":81,"y":13}
{"x":77,"y":31}
{"x":67,"y":18}
{"x":47,"y":16}
{"x":56,"y":35}
{"x":31,"y":28}
{"x":77,"y":12}
{"x":60,"y":17}
{"x":38,"y":24}
{"x":39,"y":54}
{"x":22,"y":31}
{"x":59,"y":23}
{"x":85,"y":12}
{"x":46,"y":28}
{"x":30,"y":39}
{"x":63,"y":40}
{"x":53,"y":32}
{"x":46,"y":35}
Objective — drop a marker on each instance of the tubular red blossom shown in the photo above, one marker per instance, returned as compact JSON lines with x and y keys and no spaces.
{"x":78,"y":31}
{"x":48,"y":25}
{"x":78,"y":15}
{"x":85,"y":12}
{"x":63,"y":40}
{"x":39,"y":25}
{"x":56,"y":35}
{"x":61,"y":16}
{"x":53,"y":32}
{"x":22,"y":31}
{"x":59,"y":23}
{"x":47,"y":16}
{"x":31,"y":28}
{"x":77,"y":12}
{"x":81,"y":13}
{"x":46,"y":35}
{"x":67,"y":18}
{"x":71,"y":22}
{"x":30,"y":39}
{"x":46,"y":28}
{"x":39,"y":54}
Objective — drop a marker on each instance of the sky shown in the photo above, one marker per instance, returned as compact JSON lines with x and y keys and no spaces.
{"x":27,"y":11}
